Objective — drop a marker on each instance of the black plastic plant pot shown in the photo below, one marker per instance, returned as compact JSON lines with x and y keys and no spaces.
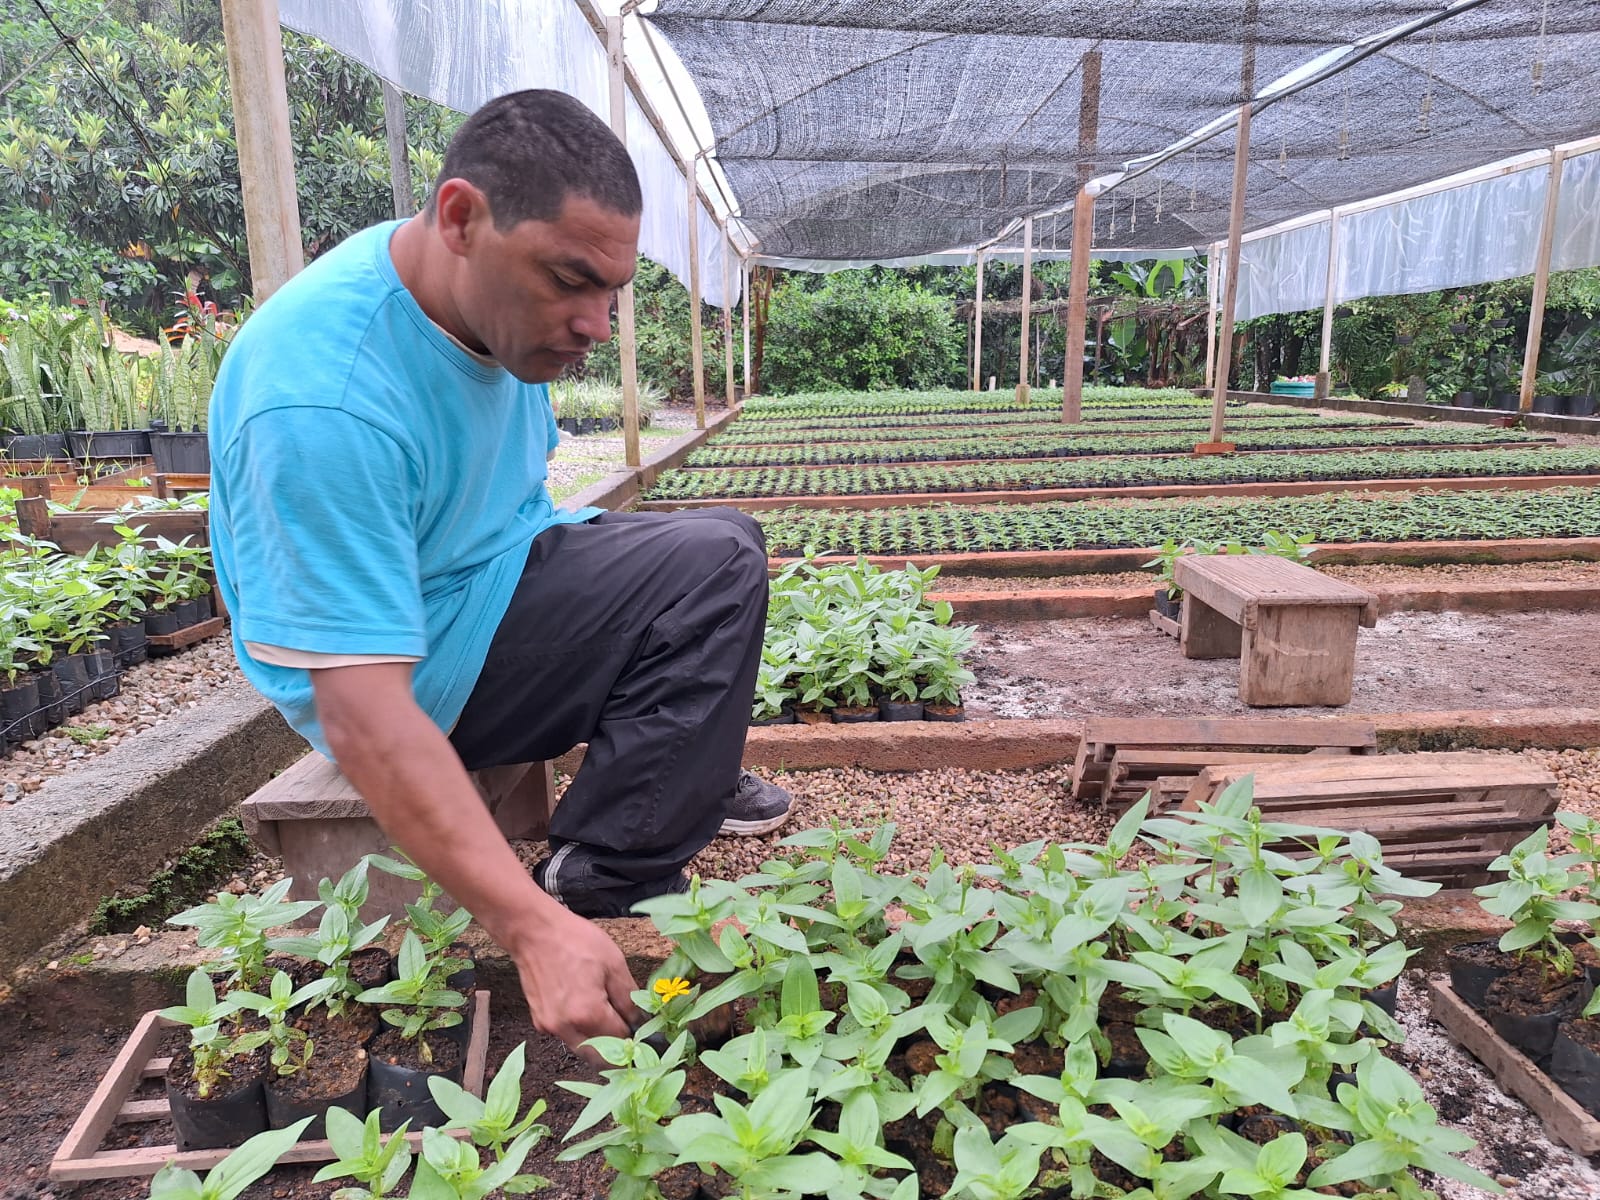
{"x":226,"y":1119}
{"x":117,"y":443}
{"x":1549,"y":405}
{"x":1465,"y":399}
{"x":204,"y":607}
{"x":129,"y":644}
{"x":1458,"y":327}
{"x":1167,"y":605}
{"x":900,"y":710}
{"x":73,"y":671}
{"x":159,"y":622}
{"x":1385,"y":997}
{"x":1583,"y":406}
{"x":402,"y":1093}
{"x":285,"y":1106}
{"x":104,"y":682}
{"x":19,"y":709}
{"x":1473,"y":967}
{"x":1574,"y":1065}
{"x":180,"y":453}
{"x":188,"y":613}
{"x":52,"y":700}
{"x":853,"y":715}
{"x":1535,"y":1034}
{"x":944,"y":712}
{"x":785,"y":717}
{"x":37,"y":447}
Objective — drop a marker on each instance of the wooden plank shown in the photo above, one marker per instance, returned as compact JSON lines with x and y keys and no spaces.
{"x":188,"y":636}
{"x":126,"y":1070}
{"x":136,"y":1112}
{"x":1230,"y":583}
{"x":78,"y":1160}
{"x":1204,"y":631}
{"x":1165,"y":624}
{"x":1232,"y":731}
{"x":1562,"y":1116}
{"x":1298,"y":655}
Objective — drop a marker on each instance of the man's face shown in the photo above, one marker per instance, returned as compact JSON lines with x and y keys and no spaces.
{"x":539,"y":296}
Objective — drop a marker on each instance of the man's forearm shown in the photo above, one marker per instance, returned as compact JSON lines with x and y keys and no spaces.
{"x":419,"y":793}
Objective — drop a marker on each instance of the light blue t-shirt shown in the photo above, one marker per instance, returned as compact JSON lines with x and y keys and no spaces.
{"x":374,"y":487}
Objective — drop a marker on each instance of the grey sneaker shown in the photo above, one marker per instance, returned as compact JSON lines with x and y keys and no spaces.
{"x":756,"y":807}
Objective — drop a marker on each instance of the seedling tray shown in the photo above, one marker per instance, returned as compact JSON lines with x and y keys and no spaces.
{"x":1563,"y":1117}
{"x":80,"y":1156}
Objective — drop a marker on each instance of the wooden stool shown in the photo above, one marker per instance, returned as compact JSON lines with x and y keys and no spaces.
{"x":1293,"y":630}
{"x":317,"y":823}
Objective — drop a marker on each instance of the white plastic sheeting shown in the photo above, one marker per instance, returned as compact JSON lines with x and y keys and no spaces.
{"x":1473,"y":233}
{"x":462,"y":53}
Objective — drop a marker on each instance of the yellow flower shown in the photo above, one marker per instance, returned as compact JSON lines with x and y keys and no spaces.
{"x":671,"y":989}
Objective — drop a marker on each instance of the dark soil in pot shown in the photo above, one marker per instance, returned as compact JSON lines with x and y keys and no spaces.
{"x":1575,"y":1061}
{"x":944,"y":712}
{"x":397,"y":1079}
{"x":854,"y":714}
{"x":1474,"y":966}
{"x":1526,"y":1007}
{"x":330,"y":1078}
{"x":236,"y":1109}
{"x":300,"y":971}
{"x":370,"y":967}
{"x":900,"y":710}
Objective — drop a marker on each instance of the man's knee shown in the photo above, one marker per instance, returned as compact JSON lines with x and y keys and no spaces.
{"x":731,"y":543}
{"x":748,"y":526}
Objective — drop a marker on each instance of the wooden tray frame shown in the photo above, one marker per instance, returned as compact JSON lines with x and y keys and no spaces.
{"x":1563,"y":1117}
{"x":80,"y":1158}
{"x":187,"y":636}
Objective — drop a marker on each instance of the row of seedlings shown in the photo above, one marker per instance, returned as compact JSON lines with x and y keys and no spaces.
{"x":1116,"y":421}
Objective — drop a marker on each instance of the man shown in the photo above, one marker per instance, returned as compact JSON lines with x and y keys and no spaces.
{"x":405,"y":592}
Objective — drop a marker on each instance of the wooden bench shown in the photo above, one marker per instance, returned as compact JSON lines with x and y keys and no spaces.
{"x":1437,"y":816}
{"x":1139,"y":750}
{"x":317,"y":823}
{"x":1293,"y":630}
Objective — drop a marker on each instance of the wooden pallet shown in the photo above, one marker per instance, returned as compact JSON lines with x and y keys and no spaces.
{"x":1437,"y":816}
{"x":80,"y":1158}
{"x":1563,"y":1117}
{"x":169,"y":643}
{"x":1103,"y":737}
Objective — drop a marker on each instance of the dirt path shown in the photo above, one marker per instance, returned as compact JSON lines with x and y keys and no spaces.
{"x":1412,"y":661}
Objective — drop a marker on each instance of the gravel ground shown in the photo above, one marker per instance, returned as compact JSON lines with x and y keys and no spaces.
{"x":151,"y":693}
{"x":580,"y":461}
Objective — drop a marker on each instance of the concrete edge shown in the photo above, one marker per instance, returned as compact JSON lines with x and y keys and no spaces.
{"x":620,"y":489}
{"x":132,"y":979}
{"x":1544,"y":422}
{"x":115,"y":821}
{"x":1054,"y":604}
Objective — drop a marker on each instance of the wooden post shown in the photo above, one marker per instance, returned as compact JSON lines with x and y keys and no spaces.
{"x":1325,"y":361}
{"x":627,"y":343}
{"x":1541,"y":282}
{"x":744,"y":309}
{"x":1027,"y":305}
{"x":697,"y":349}
{"x":394,"y":128}
{"x":727,"y":319}
{"x":1211,"y":315}
{"x":265,"y":147}
{"x":977,"y":330}
{"x":1082,"y":241}
{"x":1230,"y":285}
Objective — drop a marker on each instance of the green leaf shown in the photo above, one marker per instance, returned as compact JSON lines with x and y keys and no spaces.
{"x":251,"y":1161}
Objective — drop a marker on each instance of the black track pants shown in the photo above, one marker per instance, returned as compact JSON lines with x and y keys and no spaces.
{"x":640,"y":634}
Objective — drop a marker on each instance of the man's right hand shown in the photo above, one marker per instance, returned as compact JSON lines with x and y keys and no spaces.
{"x":575,"y":979}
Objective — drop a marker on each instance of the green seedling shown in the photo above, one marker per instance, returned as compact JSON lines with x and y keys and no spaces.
{"x":211,"y":1041}
{"x":422,"y":1006}
{"x":453,"y":1170}
{"x":233,"y":1174}
{"x":291,"y":1048}
{"x":238,"y":926}
{"x":492,"y":1121}
{"x":377,"y":1163}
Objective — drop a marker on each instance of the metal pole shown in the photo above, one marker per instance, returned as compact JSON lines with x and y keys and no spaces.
{"x":627,"y":344}
{"x":1541,"y":283}
{"x":977,"y":330}
{"x":1027,"y":304}
{"x":265,"y":147}
{"x":394,"y":129}
{"x":697,"y":352}
{"x":1325,"y":361}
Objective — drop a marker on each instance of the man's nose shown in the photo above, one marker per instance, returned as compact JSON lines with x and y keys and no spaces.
{"x":593,"y":320}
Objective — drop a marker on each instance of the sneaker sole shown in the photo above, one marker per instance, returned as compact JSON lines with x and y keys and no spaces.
{"x":733,"y":828}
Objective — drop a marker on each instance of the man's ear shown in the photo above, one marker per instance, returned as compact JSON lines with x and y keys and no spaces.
{"x":461,"y":211}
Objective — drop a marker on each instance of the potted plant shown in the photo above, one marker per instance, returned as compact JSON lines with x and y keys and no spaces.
{"x":405,"y":1056}
{"x":232,"y":1175}
{"x":301,"y":1083}
{"x":214,"y":1084}
{"x":945,"y":675}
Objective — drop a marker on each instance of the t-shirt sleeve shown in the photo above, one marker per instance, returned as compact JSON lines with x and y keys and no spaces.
{"x":322,"y":526}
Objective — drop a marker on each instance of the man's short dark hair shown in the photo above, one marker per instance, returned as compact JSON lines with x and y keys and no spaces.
{"x":526,"y":151}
